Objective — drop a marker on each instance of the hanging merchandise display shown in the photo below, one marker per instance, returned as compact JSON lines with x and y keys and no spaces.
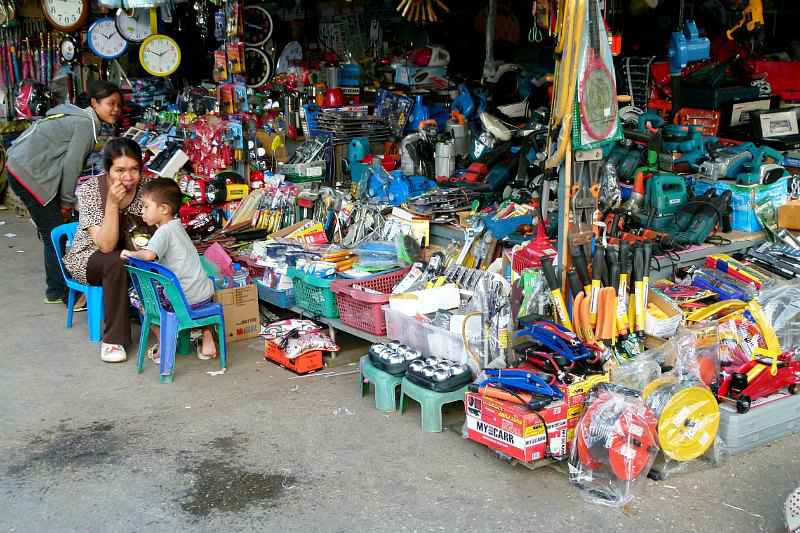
{"x":596,"y":121}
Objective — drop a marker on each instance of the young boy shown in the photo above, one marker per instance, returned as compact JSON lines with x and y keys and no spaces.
{"x":172,"y":247}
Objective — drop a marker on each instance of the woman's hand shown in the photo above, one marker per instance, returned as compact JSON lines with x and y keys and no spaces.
{"x":117,"y":193}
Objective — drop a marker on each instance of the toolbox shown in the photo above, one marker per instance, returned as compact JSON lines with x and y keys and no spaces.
{"x":515,"y":430}
{"x":302,"y":364}
{"x":769,"y":419}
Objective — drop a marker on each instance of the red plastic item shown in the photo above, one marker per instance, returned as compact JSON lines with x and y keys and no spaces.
{"x":303,"y":364}
{"x":362,"y":309}
{"x":530,"y":256}
{"x":759,"y":380}
{"x":706,"y":118}
{"x":334,"y":97}
{"x":782,"y":77}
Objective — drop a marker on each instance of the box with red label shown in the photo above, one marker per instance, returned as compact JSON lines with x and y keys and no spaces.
{"x":575,"y":395}
{"x":515,"y":430}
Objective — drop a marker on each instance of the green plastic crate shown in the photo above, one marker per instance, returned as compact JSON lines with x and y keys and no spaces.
{"x":314,"y":294}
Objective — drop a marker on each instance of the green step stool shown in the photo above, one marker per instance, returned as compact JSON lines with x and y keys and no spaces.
{"x":430,"y":402}
{"x":385,"y":385}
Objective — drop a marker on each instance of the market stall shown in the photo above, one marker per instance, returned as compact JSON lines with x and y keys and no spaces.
{"x":591,"y":248}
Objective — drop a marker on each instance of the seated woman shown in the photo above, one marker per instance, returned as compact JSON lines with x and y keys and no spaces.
{"x":110,"y":209}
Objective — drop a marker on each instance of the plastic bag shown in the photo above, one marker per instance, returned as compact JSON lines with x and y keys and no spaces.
{"x":614,"y":446}
{"x":492,"y":303}
{"x":781,"y":304}
{"x":637,"y":372}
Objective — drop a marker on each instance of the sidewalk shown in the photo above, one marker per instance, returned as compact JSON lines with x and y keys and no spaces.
{"x":89,"y":446}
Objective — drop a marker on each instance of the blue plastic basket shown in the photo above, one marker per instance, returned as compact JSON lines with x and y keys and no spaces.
{"x":283,"y":298}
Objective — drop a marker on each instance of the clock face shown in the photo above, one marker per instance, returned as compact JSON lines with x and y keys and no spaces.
{"x":257,"y":25}
{"x":258,"y":66}
{"x":160,"y":55}
{"x":134,"y":27}
{"x":68,"y":50}
{"x":66,"y":15}
{"x":104,"y":39}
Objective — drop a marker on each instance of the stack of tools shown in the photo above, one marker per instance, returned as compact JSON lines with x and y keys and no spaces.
{"x":609,"y":300}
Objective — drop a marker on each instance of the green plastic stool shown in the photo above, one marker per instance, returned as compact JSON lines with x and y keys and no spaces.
{"x":385,"y":385}
{"x":430,"y":402}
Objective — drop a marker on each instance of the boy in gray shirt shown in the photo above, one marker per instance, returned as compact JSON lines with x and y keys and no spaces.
{"x":172,"y":248}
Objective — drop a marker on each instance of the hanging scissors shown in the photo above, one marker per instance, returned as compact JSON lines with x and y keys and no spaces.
{"x":535,"y":34}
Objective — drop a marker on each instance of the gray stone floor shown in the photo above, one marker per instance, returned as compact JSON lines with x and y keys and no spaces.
{"x":88,"y":446}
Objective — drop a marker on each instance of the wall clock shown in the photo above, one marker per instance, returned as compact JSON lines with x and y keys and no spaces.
{"x":104,"y":40}
{"x":69,"y":50}
{"x":258,"y":66}
{"x":257,"y":25}
{"x":160,"y":55}
{"x":134,"y":26}
{"x":66,"y":15}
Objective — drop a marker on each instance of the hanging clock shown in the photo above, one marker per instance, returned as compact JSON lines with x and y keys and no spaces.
{"x":66,"y":15}
{"x":160,"y":55}
{"x":69,"y":50}
{"x":258,"y":66}
{"x":257,"y":25}
{"x":134,"y":26}
{"x":104,"y":40}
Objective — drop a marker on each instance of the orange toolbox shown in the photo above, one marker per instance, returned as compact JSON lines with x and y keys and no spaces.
{"x":303,"y":364}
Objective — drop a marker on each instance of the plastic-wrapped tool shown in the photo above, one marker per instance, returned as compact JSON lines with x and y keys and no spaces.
{"x":687,"y":414}
{"x":614,"y":447}
{"x":727,"y":287}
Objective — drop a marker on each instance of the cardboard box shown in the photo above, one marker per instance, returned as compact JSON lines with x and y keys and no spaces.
{"x":516,"y":431}
{"x":662,"y":327}
{"x":575,"y":395}
{"x":789,"y":215}
{"x":240,"y":307}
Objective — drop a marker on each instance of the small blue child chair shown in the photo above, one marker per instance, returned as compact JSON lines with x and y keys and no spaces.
{"x":175,"y":322}
{"x":94,"y":294}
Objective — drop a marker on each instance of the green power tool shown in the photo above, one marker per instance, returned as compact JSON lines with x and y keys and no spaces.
{"x":665,"y":195}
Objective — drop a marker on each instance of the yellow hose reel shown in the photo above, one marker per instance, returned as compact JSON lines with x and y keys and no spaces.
{"x":688,"y":417}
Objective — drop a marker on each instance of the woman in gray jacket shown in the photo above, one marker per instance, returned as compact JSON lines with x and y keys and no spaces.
{"x":45,"y":162}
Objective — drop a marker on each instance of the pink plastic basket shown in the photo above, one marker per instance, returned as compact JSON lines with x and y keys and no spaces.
{"x":362,"y":309}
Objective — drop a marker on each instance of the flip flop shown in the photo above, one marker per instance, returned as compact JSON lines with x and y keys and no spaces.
{"x":153,"y":355}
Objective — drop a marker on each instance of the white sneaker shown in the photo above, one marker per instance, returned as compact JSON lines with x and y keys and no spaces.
{"x":792,"y":510}
{"x":113,"y":353}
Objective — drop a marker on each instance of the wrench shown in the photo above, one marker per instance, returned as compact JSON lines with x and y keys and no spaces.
{"x":471,"y":233}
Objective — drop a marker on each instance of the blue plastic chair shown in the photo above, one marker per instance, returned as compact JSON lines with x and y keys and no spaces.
{"x":94,"y":294}
{"x":175,"y":322}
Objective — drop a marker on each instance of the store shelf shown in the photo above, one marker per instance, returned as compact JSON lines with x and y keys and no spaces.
{"x":334,"y":324}
{"x":740,"y":241}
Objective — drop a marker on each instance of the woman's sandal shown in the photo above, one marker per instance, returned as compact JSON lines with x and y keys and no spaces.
{"x":153,"y":355}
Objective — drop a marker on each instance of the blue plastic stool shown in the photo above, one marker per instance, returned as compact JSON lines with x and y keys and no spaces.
{"x":430,"y":403}
{"x":176,"y":322}
{"x":385,"y":385}
{"x":94,"y":294}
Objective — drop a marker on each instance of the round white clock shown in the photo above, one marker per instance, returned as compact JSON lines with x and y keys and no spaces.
{"x":104,"y":39}
{"x":66,"y":15}
{"x":133,"y":26}
{"x":160,"y":55}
